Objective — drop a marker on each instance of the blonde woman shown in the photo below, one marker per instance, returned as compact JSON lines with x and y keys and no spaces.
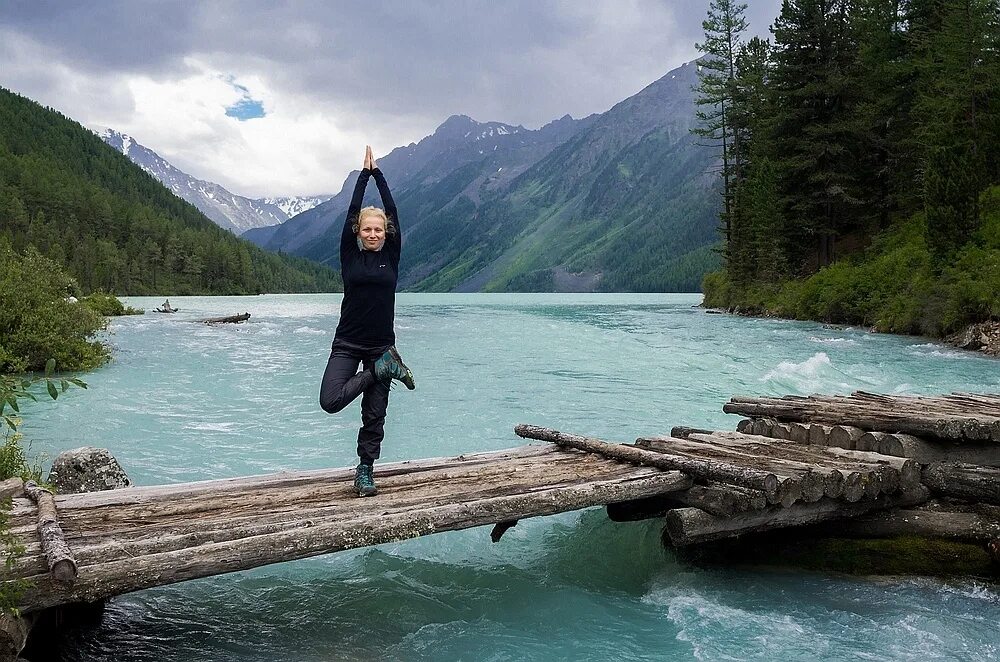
{"x":369,"y":263}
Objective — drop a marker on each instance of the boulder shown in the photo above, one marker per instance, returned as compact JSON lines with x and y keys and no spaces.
{"x":87,"y":469}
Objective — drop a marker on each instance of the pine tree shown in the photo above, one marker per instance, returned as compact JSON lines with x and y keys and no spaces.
{"x":717,"y":74}
{"x":814,"y":52}
{"x":957,"y":64}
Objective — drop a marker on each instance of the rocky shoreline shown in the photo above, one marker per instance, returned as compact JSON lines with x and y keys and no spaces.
{"x":981,"y":337}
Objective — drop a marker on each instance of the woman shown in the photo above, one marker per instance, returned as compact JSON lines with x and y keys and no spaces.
{"x":369,"y":263}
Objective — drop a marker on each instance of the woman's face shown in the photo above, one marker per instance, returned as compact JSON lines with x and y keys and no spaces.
{"x":371,"y":232}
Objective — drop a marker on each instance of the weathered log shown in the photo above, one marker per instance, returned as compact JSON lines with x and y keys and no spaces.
{"x":926,"y":452}
{"x":12,"y":487}
{"x":720,"y":499}
{"x":966,"y":525}
{"x":13,"y":634}
{"x":62,"y":565}
{"x":688,"y":526}
{"x":501,"y":528}
{"x":799,"y":432}
{"x":153,"y":569}
{"x":845,"y":436}
{"x":701,"y":446}
{"x":745,"y":426}
{"x":704,"y":469}
{"x":819,"y":434}
{"x":229,"y":319}
{"x":871,"y":442}
{"x":909,"y":470}
{"x":682,"y":432}
{"x":944,"y":418}
{"x":965,"y":481}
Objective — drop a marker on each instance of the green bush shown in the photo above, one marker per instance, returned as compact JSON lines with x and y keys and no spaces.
{"x":37,"y":322}
{"x":108,"y":305}
{"x":893,"y":286}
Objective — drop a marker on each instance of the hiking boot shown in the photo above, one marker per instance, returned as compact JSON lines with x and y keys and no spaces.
{"x":390,"y":366}
{"x":364,"y":482}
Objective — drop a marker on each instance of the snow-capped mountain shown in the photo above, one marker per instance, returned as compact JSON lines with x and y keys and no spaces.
{"x":229,"y":210}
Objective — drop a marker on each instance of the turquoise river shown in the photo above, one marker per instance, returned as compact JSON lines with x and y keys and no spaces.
{"x":184,"y":401}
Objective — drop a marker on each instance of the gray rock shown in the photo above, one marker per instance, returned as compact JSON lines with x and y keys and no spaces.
{"x":87,"y":469}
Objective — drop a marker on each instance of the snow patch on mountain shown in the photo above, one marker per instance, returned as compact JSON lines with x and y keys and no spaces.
{"x":228,"y":210}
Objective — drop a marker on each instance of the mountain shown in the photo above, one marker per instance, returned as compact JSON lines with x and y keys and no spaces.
{"x":114,"y":227}
{"x":228,"y":210}
{"x":458,"y":142}
{"x":624,"y":200}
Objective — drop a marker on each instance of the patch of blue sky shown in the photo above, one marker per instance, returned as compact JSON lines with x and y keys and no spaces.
{"x":247,"y":108}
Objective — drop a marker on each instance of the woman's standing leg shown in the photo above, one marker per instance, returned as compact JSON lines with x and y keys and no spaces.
{"x":374,"y":403}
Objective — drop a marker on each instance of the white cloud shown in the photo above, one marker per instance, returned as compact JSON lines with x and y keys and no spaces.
{"x":332,"y":81}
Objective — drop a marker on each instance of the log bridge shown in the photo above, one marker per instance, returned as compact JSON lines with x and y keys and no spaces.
{"x":791,"y":461}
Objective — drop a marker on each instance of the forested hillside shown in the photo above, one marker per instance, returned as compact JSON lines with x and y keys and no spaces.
{"x":860,"y":144}
{"x":114,"y":227}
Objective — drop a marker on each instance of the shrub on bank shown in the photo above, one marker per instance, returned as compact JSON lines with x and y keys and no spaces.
{"x":893,"y":286}
{"x":108,"y":305}
{"x":37,"y":323}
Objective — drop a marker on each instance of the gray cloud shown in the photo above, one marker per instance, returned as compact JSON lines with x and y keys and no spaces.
{"x":402,"y":65}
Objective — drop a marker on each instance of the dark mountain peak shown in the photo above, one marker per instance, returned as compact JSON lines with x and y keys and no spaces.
{"x":456,"y":126}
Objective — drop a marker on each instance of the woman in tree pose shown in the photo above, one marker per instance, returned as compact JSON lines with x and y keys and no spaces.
{"x":369,"y":263}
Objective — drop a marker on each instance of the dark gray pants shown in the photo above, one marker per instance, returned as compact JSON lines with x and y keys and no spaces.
{"x":342,"y":383}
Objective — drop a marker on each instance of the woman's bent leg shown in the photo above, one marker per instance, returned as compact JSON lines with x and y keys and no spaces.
{"x":342,"y":382}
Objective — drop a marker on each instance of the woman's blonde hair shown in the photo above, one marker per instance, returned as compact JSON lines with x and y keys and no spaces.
{"x":390,"y":228}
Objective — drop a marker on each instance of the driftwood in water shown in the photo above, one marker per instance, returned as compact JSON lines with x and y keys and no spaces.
{"x":683,"y":432}
{"x":704,"y":469}
{"x":959,"y":416}
{"x":688,"y":526}
{"x":231,"y":319}
{"x":964,"y":481}
{"x":62,"y":565}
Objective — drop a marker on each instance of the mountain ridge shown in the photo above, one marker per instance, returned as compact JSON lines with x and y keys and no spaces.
{"x":226,"y":209}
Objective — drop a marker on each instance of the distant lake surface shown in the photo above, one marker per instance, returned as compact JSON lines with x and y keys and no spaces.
{"x":183,"y":401}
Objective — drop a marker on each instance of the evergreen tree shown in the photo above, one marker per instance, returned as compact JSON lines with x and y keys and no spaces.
{"x":717,"y":74}
{"x":955,"y":50}
{"x":814,"y":52}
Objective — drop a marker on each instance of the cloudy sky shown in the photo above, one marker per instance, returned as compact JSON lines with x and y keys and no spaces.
{"x":272,"y":98}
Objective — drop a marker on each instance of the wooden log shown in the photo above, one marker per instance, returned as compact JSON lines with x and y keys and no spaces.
{"x":909,"y":470}
{"x":745,"y":426}
{"x":229,"y":319}
{"x":683,"y":432}
{"x":720,"y":499}
{"x":871,"y":442}
{"x":927,"y":452}
{"x":101,"y":580}
{"x":762,"y":427}
{"x":845,"y":436}
{"x":791,"y":455}
{"x":688,"y":526}
{"x":62,"y":565}
{"x":704,"y":469}
{"x":701,"y":446}
{"x":13,"y":634}
{"x":799,"y":432}
{"x":964,"y":481}
{"x":819,"y":434}
{"x":919,"y":416}
{"x":10,"y":488}
{"x":967,"y":526}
